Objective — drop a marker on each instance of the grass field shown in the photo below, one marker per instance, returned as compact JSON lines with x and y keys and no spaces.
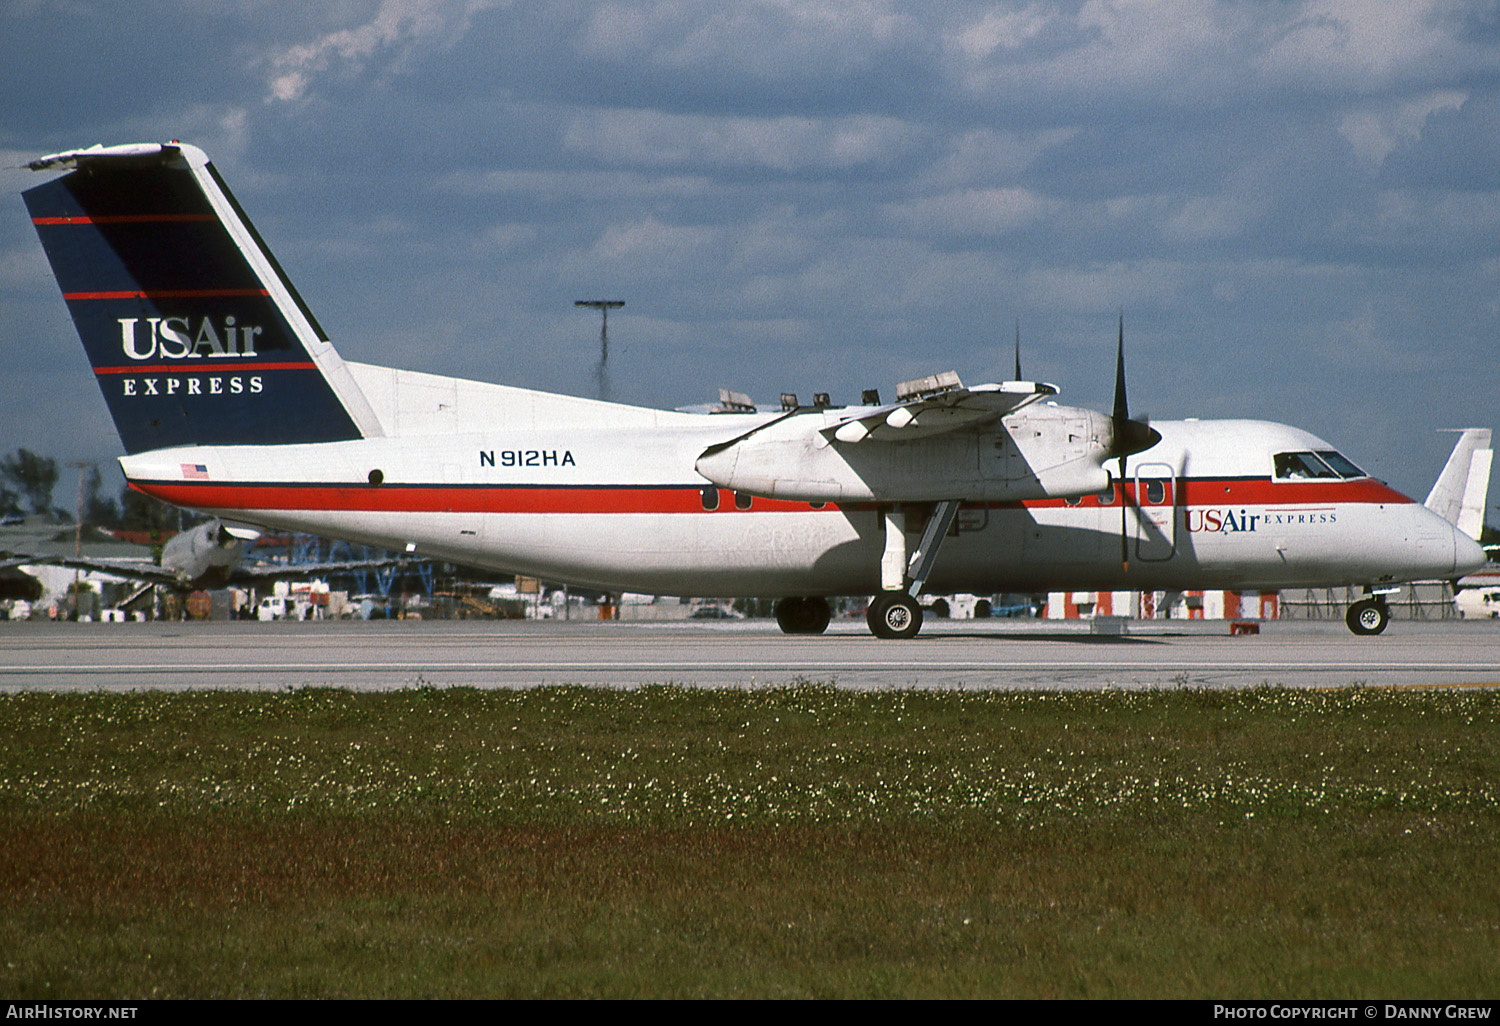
{"x":801,"y":842}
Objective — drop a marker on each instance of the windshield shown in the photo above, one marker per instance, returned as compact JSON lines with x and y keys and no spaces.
{"x":1325,"y":463}
{"x":1295,"y":466}
{"x":1339,"y":462}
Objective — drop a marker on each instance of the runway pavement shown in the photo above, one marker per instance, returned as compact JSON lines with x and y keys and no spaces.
{"x":949,"y":654}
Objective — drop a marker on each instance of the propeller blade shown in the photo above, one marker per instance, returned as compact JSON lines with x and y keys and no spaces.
{"x":1130,"y":436}
{"x":1018,"y":351}
{"x":1122,"y":406}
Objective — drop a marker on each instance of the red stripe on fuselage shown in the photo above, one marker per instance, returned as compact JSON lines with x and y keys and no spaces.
{"x":388,"y":498}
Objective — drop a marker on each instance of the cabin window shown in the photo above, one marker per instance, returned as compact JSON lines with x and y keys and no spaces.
{"x":741,"y":500}
{"x":1302,"y":466}
{"x":1107,"y":497}
{"x":710,"y":498}
{"x":1156,"y":491}
{"x":1339,"y":462}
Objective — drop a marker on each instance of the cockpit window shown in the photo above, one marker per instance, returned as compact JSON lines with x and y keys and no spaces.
{"x":1340,"y":463}
{"x":1301,"y":466}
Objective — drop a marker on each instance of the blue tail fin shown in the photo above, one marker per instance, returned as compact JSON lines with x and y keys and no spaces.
{"x":194,"y":333}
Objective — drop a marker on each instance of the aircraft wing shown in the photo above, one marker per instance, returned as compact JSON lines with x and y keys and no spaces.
{"x":935,"y":405}
{"x":255,"y":573}
{"x":137,"y":569}
{"x":925,"y":407}
{"x":243,"y":574}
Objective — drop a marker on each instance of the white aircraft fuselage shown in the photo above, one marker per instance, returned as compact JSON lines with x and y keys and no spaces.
{"x":607,"y":496}
{"x":230,"y":400}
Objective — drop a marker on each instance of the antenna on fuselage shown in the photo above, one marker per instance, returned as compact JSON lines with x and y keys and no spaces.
{"x":604,"y":306}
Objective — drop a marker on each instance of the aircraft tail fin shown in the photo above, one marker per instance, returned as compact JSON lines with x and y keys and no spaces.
{"x":1459,"y":496}
{"x":195,"y":334}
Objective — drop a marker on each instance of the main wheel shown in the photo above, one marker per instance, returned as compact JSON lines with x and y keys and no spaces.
{"x":894,"y":614}
{"x":802,"y":615}
{"x":1368,"y":616}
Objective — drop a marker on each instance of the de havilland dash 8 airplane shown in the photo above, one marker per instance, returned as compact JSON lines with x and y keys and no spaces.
{"x":230,"y":399}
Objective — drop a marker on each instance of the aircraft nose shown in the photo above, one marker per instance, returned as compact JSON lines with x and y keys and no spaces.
{"x":1468,"y":557}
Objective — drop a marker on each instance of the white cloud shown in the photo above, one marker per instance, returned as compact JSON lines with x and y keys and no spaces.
{"x":1003,"y":28}
{"x":396,"y":27}
{"x":1246,"y":198}
{"x":984,"y":156}
{"x":766,"y":39}
{"x":656,"y":139}
{"x":649,"y":243}
{"x":975,"y":211}
{"x":1161,"y":46}
{"x":223,"y":132}
{"x":609,"y":186}
{"x":1190,"y":53}
{"x":1461,"y":220}
{"x":1104,"y":287}
{"x":1376,"y":131}
{"x":1365,"y":45}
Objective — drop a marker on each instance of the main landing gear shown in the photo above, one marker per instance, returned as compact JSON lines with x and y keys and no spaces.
{"x":1368,"y":615}
{"x":894,"y":613}
{"x":808,"y":615}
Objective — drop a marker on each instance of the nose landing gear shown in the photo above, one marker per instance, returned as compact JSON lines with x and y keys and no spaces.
{"x":1368,"y":616}
{"x":894,"y":614}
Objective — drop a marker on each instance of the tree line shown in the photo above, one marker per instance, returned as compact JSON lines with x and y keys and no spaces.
{"x":28,"y":480}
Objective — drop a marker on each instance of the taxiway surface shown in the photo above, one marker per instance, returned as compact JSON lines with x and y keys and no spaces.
{"x":948,"y":654}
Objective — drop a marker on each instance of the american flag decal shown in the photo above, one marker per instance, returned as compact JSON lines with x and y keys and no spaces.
{"x":194,"y":472}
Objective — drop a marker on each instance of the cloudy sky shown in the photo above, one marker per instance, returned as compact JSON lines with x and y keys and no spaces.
{"x":1295,"y":204}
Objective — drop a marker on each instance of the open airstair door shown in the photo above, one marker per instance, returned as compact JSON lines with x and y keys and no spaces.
{"x":1155,"y":512}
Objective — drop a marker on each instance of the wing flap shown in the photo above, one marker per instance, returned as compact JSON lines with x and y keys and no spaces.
{"x":934,"y":406}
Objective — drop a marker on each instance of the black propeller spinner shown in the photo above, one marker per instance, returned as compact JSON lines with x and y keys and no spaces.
{"x":1128,"y":438}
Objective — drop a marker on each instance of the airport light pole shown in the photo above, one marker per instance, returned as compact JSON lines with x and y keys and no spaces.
{"x":80,"y":466}
{"x":604,"y":306}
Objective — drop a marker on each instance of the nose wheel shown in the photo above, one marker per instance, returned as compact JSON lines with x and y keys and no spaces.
{"x":1368,"y":616}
